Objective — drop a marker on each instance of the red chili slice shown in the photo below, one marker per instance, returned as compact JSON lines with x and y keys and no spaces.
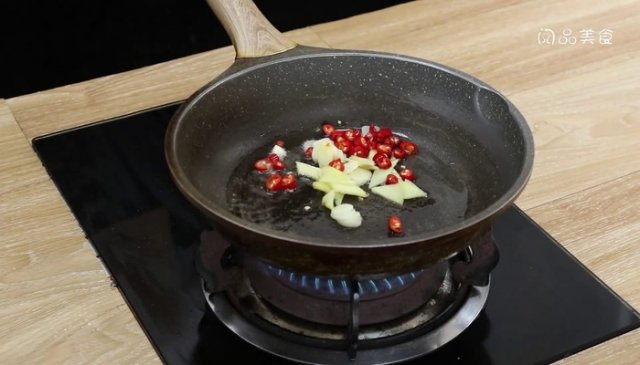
{"x":280,"y":143}
{"x":384,"y":148}
{"x":399,"y":153}
{"x":407,"y":174}
{"x":328,"y":129}
{"x":273,"y":157}
{"x":395,"y":224}
{"x":381,"y":160}
{"x":308,"y":152}
{"x":337,"y":134}
{"x":337,"y":164}
{"x":276,"y":163}
{"x":274,"y":182}
{"x":409,"y":147}
{"x":263,"y":165}
{"x":359,"y":151}
{"x":361,"y":141}
{"x":391,"y":179}
{"x":392,"y":140}
{"x":382,"y":134}
{"x":352,"y":134}
{"x":343,"y":145}
{"x":289,"y":181}
{"x":279,"y":165}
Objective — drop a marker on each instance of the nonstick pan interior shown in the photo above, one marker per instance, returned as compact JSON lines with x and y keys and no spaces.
{"x":474,"y":157}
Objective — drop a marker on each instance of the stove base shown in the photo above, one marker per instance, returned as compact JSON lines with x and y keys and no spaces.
{"x":416,"y":347}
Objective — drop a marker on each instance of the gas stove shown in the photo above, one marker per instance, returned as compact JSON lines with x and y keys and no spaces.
{"x":330,"y":319}
{"x":372,"y":319}
{"x":201,"y":301}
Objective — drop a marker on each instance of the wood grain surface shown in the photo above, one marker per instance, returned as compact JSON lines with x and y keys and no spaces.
{"x":600,"y":226}
{"x":251,"y":34}
{"x":582,"y":102}
{"x":56,"y":300}
{"x":111,"y":96}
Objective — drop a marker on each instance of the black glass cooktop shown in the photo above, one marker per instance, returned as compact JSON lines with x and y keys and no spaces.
{"x":543,"y":305}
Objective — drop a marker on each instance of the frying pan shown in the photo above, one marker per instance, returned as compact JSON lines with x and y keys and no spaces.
{"x":476,"y":150}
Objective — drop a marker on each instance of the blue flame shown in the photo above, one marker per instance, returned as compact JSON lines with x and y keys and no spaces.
{"x":340,"y":287}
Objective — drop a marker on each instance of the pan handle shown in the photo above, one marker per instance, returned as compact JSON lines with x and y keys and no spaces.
{"x":251,"y":33}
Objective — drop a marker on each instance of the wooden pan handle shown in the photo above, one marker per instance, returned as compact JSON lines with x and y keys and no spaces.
{"x":251,"y":33}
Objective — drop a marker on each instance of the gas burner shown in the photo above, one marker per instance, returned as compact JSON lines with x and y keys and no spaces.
{"x":327,"y":300}
{"x":374,"y":319}
{"x":278,"y":341}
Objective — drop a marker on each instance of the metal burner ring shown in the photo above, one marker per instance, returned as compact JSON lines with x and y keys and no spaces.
{"x":418,"y":346}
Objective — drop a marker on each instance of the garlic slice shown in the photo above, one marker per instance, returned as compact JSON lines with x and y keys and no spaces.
{"x":380,"y":176}
{"x":348,"y":189}
{"x":364,"y":163}
{"x":411,"y":190}
{"x":360,"y":176}
{"x":322,"y":186}
{"x":281,"y":152}
{"x":392,"y":192}
{"x":328,"y":199}
{"x":346,"y":216}
{"x":350,"y":166}
{"x":307,"y":170}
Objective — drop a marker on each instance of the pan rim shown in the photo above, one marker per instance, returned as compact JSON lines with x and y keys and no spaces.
{"x":244,"y":66}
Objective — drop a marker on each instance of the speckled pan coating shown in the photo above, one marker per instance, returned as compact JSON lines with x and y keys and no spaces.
{"x":475,"y":141}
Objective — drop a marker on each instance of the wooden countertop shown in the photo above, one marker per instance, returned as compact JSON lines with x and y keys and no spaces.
{"x":582,"y":102}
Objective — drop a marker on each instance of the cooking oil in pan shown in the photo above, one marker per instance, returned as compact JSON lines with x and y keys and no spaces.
{"x":300,"y":212}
